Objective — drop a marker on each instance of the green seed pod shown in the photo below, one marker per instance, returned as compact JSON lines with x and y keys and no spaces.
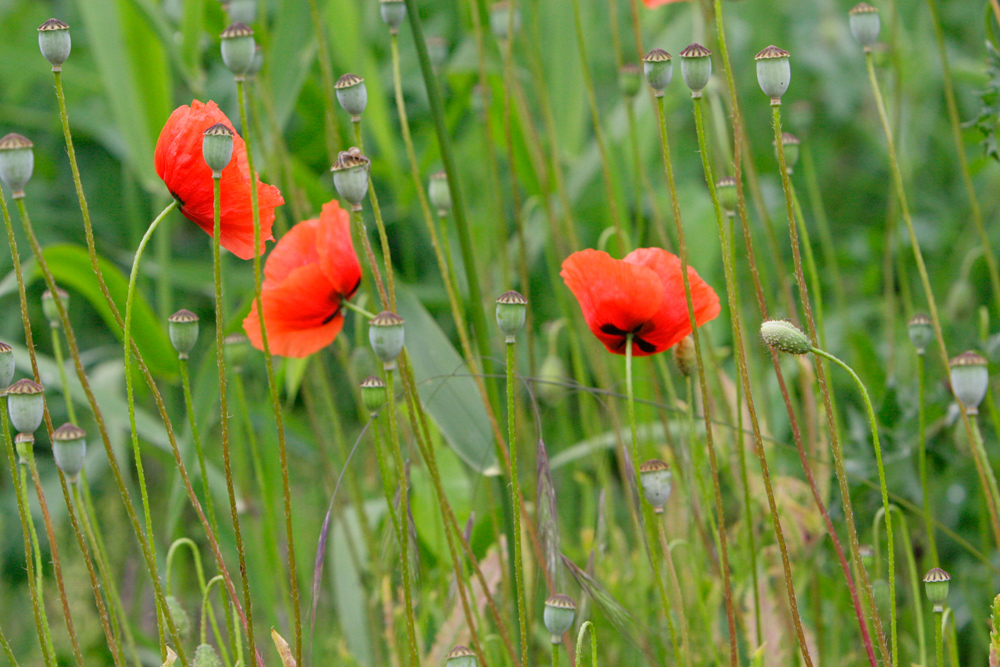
{"x":500,"y":20}
{"x":685,"y":356}
{"x":921,"y":331}
{"x":69,"y":448}
{"x":865,"y":24}
{"x":437,"y":50}
{"x":183,"y":329}
{"x":696,"y":68}
{"x":23,"y":443}
{"x":385,"y":333}
{"x":439,"y":193}
{"x":791,"y":145}
{"x":177,"y":612}
{"x":551,"y":375}
{"x":206,"y":656}
{"x":784,"y":336}
{"x":17,"y":161}
{"x":350,"y":177}
{"x":393,"y":12}
{"x":242,"y":11}
{"x":558,"y":616}
{"x":461,"y":656}
{"x":352,"y":95}
{"x":936,"y":586}
{"x":217,"y":148}
{"x":50,"y":309}
{"x":969,"y":380}
{"x":6,"y":365}
{"x":235,"y":348}
{"x":774,"y":72}
{"x":630,"y":80}
{"x":726,"y":189}
{"x":512,"y":310}
{"x":26,"y":405}
{"x":238,"y":48}
{"x":54,"y":42}
{"x":658,"y":69}
{"x":373,"y":393}
{"x":656,"y":482}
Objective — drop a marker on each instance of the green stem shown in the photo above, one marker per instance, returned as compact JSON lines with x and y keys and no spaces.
{"x":675,"y":582}
{"x":10,"y":654}
{"x":332,"y":133}
{"x":196,"y":438}
{"x":817,"y":292}
{"x":515,"y":501}
{"x":359,"y":222}
{"x":587,"y":625}
{"x":922,"y":461}
{"x":938,"y":640}
{"x":63,"y":381}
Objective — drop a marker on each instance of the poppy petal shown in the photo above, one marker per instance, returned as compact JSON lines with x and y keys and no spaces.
{"x":336,"y":250}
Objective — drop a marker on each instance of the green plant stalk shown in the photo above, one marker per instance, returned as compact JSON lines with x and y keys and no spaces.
{"x":36,"y":554}
{"x":332,"y":133}
{"x":980,"y":449}
{"x":817,"y":292}
{"x":196,"y":438}
{"x":271,"y":383}
{"x":206,"y":608}
{"x":10,"y":654}
{"x":823,"y":225}
{"x":911,"y":566}
{"x":922,"y":461}
{"x":60,"y":362}
{"x":555,"y":655}
{"x":359,"y":222}
{"x":515,"y":501}
{"x":587,"y":625}
{"x":952,"y":639}
{"x":675,"y":582}
{"x":938,"y":640}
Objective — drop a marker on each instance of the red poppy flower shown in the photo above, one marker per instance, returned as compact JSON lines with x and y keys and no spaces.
{"x":310,"y":271}
{"x":642,"y":294}
{"x":180,"y":164}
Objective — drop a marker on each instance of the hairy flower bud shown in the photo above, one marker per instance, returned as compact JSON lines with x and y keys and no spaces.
{"x":784,"y":336}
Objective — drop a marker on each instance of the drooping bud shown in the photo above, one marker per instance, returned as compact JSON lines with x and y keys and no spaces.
{"x":865,"y":24}
{"x":512,"y":310}
{"x":217,"y":148}
{"x":936,"y":586}
{"x":26,"y":405}
{"x":656,"y":482}
{"x":54,"y":42}
{"x":461,"y":656}
{"x":69,"y":448}
{"x":784,"y":336}
{"x":385,"y":333}
{"x":17,"y":161}
{"x":774,"y":72}
{"x":685,"y":355}
{"x":393,"y":12}
{"x":206,"y":656}
{"x":6,"y":365}
{"x":242,"y":11}
{"x":235,"y":348}
{"x":558,"y":616}
{"x":238,"y":48}
{"x":352,"y":95}
{"x":921,"y":330}
{"x":179,"y":615}
{"x":182,"y":327}
{"x":726,"y":189}
{"x":49,"y":307}
{"x":439,"y":193}
{"x":696,"y":68}
{"x":658,"y":69}
{"x":500,"y":20}
{"x":373,"y":393}
{"x":350,"y":177}
{"x":630,"y":80}
{"x":969,"y":380}
{"x":790,"y":143}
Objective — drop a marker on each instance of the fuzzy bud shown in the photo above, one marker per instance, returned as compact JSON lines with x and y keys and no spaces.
{"x":182,"y":327}
{"x":17,"y":161}
{"x":352,"y":95}
{"x":684,"y":356}
{"x":69,"y":448}
{"x":26,"y":405}
{"x":238,"y":49}
{"x":784,"y":336}
{"x":558,"y":616}
{"x":512,"y":310}
{"x":49,"y":307}
{"x":182,"y":621}
{"x":385,"y":333}
{"x":350,"y":177}
{"x":658,"y":69}
{"x":54,"y":42}
{"x":696,"y":68}
{"x":865,"y":24}
{"x":969,"y":380}
{"x":217,"y":148}
{"x":206,"y":656}
{"x":774,"y":72}
{"x":656,"y":482}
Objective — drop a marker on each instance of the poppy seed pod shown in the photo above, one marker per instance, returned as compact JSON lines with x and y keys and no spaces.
{"x":774,"y":72}
{"x":6,"y":365}
{"x":512,"y":310}
{"x":17,"y":161}
{"x":630,"y":80}
{"x":26,"y":405}
{"x":69,"y":448}
{"x":373,"y":393}
{"x":500,"y":20}
{"x":865,"y":24}
{"x":217,"y":148}
{"x":461,"y":656}
{"x":242,"y":11}
{"x":206,"y":656}
{"x":969,"y":380}
{"x":54,"y":42}
{"x":238,"y":48}
{"x":558,"y":616}
{"x":696,"y":68}
{"x":656,"y":478}
{"x":182,"y":327}
{"x":49,"y":307}
{"x":439,"y":193}
{"x":658,"y":69}
{"x":921,"y":331}
{"x":936,"y":586}
{"x":350,"y":177}
{"x":352,"y":95}
{"x":235,"y":348}
{"x":437,"y":50}
{"x":790,"y":143}
{"x":23,"y":443}
{"x":393,"y":12}
{"x":784,"y":336}
{"x":385,"y":333}
{"x":726,"y":190}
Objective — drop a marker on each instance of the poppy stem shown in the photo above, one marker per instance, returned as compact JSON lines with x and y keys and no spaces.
{"x":515,"y":499}
{"x":196,"y":438}
{"x":350,"y":305}
{"x":922,"y":460}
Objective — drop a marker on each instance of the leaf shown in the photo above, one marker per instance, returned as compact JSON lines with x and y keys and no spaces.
{"x":447,"y":390}
{"x":284,"y":650}
{"x":171,"y":658}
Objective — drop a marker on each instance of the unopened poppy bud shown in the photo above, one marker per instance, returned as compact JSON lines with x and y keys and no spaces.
{"x":23,"y":442}
{"x":49,"y":307}
{"x":656,"y":481}
{"x":936,"y":586}
{"x":630,"y":80}
{"x":500,"y":19}
{"x":512,"y":310}
{"x":235,"y":348}
{"x":352,"y":95}
{"x":461,"y":656}
{"x":726,"y":189}
{"x":791,"y":145}
{"x":17,"y":161}
{"x":774,"y":72}
{"x":26,"y":405}
{"x":921,"y":331}
{"x":217,"y":148}
{"x":865,"y":24}
{"x":684,"y":355}
{"x":867,"y":554}
{"x":54,"y":42}
{"x":69,"y":448}
{"x":784,"y":336}
{"x":658,"y":69}
{"x":373,"y":393}
{"x":969,"y":380}
{"x":350,"y":177}
{"x":385,"y":333}
{"x":437,"y":50}
{"x":180,"y":616}
{"x":439,"y":193}
{"x":696,"y":68}
{"x":242,"y":11}
{"x":182,"y":327}
{"x":6,"y":365}
{"x":238,"y":48}
{"x":393,"y":12}
{"x":206,"y":656}
{"x":558,"y":616}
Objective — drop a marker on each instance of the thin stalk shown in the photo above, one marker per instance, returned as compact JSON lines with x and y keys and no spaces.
{"x":922,"y":461}
{"x":822,"y":224}
{"x":36,"y":551}
{"x":980,"y":449}
{"x":196,"y":438}
{"x":359,"y":222}
{"x":675,"y":582}
{"x":817,"y":292}
{"x":515,"y":501}
{"x":10,"y":654}
{"x":938,"y":640}
{"x":332,"y":132}
{"x":63,"y":381}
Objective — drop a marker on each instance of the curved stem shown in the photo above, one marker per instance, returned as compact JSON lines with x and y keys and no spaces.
{"x":587,"y":625}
